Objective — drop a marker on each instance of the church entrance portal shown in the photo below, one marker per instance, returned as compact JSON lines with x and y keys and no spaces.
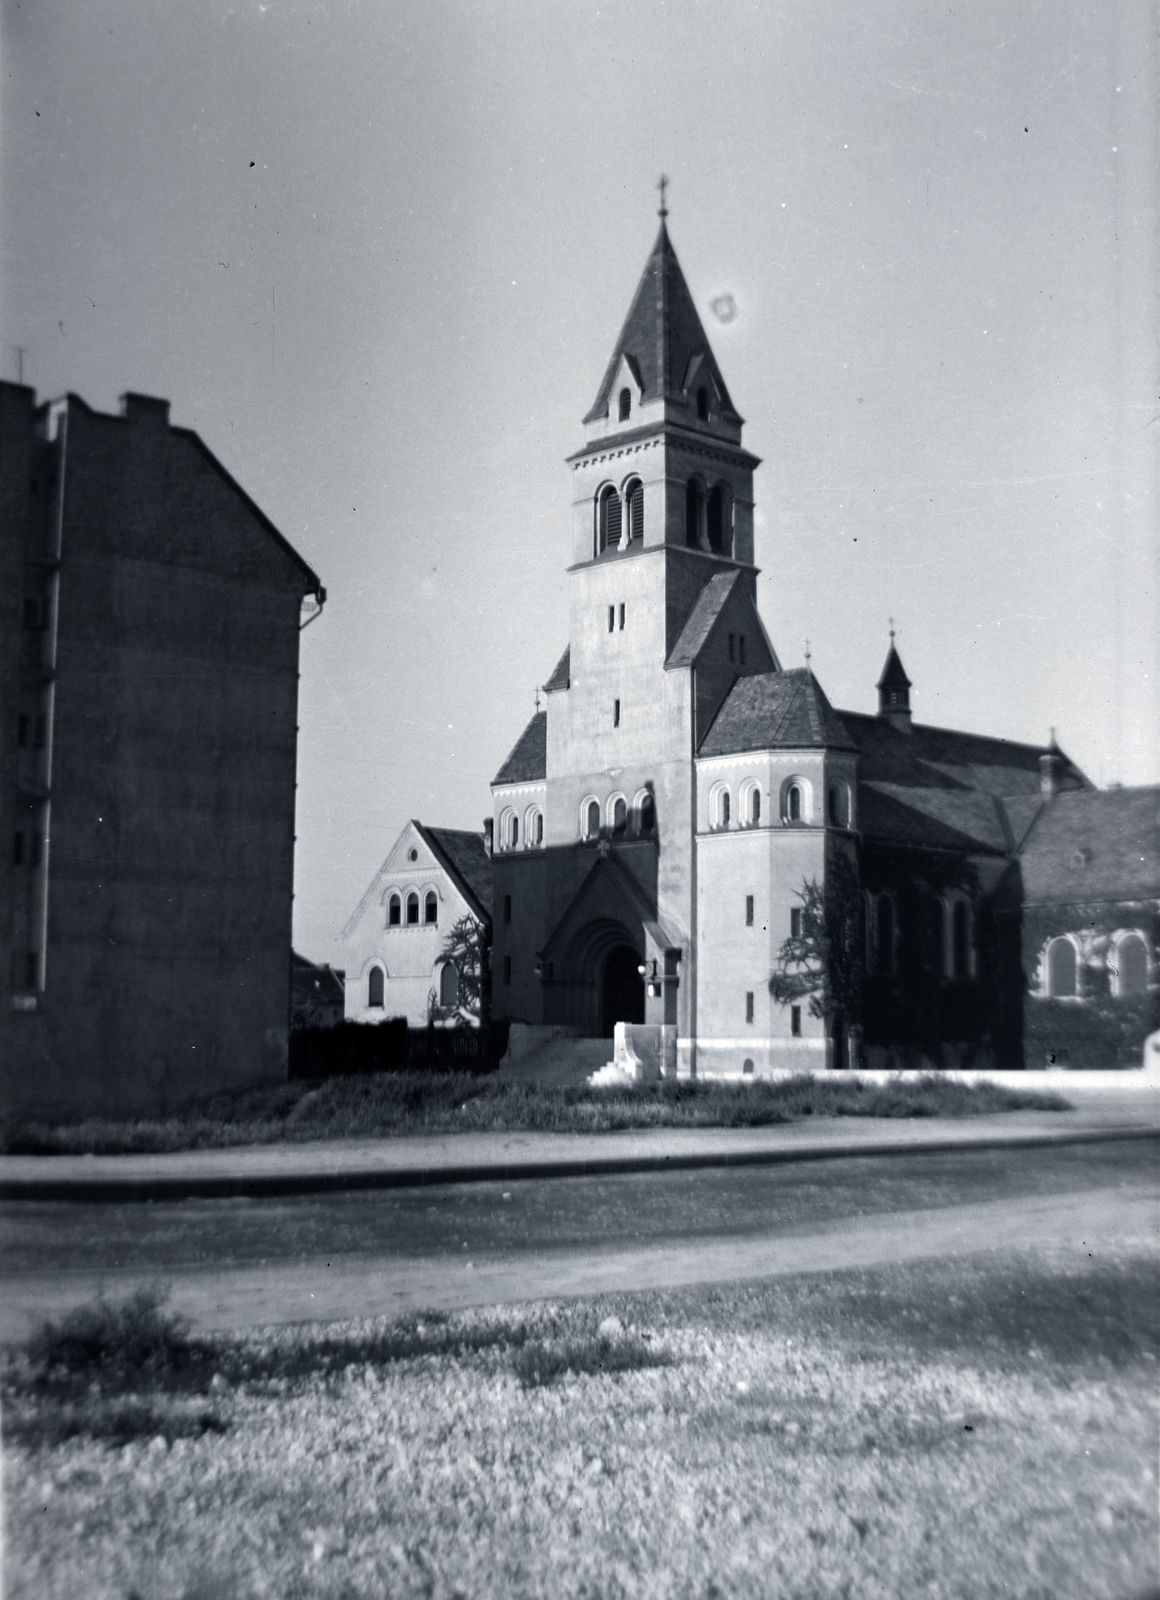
{"x":623,"y":989}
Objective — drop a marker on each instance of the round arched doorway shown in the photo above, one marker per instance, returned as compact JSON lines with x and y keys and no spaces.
{"x":622,"y":989}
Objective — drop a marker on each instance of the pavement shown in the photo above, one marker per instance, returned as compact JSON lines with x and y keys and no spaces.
{"x":1097,"y":1115}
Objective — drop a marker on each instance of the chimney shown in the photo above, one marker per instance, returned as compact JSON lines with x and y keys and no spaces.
{"x":1050,"y":770}
{"x":488,"y":832}
{"x":144,"y":408}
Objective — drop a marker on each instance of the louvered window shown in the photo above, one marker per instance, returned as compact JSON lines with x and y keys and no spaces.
{"x":693,"y":515}
{"x":610,"y":520}
{"x":635,"y":499}
{"x":716,"y":521}
{"x":625,"y":405}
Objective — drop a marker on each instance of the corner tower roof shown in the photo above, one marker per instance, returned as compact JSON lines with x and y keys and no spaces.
{"x":661,"y":335}
{"x":893,"y":672}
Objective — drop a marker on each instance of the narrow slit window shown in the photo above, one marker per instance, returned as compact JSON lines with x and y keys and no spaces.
{"x":749,"y":911}
{"x":749,"y":1005}
{"x":731,"y":647}
{"x":741,"y":648}
{"x":795,"y":922}
{"x":795,"y":1021}
{"x":625,"y":404}
{"x":611,"y":618}
{"x":507,"y":908}
{"x":622,"y":616}
{"x":616,"y":713}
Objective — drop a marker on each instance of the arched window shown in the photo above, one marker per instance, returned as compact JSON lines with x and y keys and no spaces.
{"x":834,"y":807}
{"x":634,"y":509}
{"x":884,"y":934}
{"x":961,"y":940}
{"x":609,"y":519}
{"x":715,"y":521}
{"x":625,"y":404}
{"x":592,"y":820}
{"x":749,"y":804}
{"x":703,"y":403}
{"x":513,"y":838}
{"x":648,"y":813}
{"x":534,"y":828}
{"x":723,"y":809}
{"x":449,"y":985}
{"x":754,"y":806}
{"x":394,"y":911}
{"x":375,"y":987}
{"x":793,"y":803}
{"x":412,"y":910}
{"x":1061,"y":969}
{"x":619,"y":814}
{"x":694,"y":500}
{"x":431,"y":907}
{"x":1129,"y":964}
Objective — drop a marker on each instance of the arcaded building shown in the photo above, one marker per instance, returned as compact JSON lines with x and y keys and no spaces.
{"x":148,"y":704}
{"x":660,"y":816}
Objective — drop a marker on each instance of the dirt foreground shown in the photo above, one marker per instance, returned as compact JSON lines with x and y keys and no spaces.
{"x":987,"y":1427}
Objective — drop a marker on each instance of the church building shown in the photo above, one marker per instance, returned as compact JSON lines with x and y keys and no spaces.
{"x":658,"y":819}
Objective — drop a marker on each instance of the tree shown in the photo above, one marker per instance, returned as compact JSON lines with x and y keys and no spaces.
{"x":468,"y":948}
{"x":823,"y":962}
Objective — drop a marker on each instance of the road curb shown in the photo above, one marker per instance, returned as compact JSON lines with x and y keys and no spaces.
{"x":228,"y":1186}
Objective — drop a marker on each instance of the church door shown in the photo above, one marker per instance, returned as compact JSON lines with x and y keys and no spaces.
{"x":623,"y":989}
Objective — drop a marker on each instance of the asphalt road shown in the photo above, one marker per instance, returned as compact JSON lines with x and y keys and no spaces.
{"x":244,"y":1263}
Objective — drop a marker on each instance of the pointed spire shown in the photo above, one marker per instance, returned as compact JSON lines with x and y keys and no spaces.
{"x":894,"y":689}
{"x":662,"y":335}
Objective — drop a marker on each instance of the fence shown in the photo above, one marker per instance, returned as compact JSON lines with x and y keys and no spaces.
{"x":353,"y":1048}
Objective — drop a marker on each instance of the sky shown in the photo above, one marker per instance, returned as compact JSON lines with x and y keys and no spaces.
{"x":377,"y":255}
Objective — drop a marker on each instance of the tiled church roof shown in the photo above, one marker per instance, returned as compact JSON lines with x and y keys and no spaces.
{"x":1094,"y":845}
{"x":661,"y":335}
{"x":776,"y":710}
{"x":562,"y":672}
{"x":528,"y":762}
{"x":701,"y":619}
{"x":464,"y":855}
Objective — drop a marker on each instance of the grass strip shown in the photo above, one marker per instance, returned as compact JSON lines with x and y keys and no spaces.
{"x":392,"y":1104}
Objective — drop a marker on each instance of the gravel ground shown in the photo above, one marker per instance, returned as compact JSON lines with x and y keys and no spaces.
{"x":986,"y":1429}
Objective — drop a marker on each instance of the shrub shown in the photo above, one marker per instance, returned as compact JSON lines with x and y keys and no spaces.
{"x":121,"y":1340}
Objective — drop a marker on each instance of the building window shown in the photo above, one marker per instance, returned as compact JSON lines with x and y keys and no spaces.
{"x":719,"y":806}
{"x":431,"y":907}
{"x":412,"y":910}
{"x":885,"y":934}
{"x":622,"y":616}
{"x":592,"y":820}
{"x":795,"y":1021}
{"x":715,"y":521}
{"x":611,"y":618}
{"x":731,"y":647}
{"x":694,"y":501}
{"x":535,"y":827}
{"x":741,"y":648}
{"x":609,"y":519}
{"x":749,"y":911}
{"x":449,"y":985}
{"x":375,"y":987}
{"x":1062,"y":970}
{"x":832,"y":800}
{"x":961,"y":940}
{"x":1128,"y":961}
{"x":795,"y":922}
{"x":507,"y":969}
{"x":749,"y":1005}
{"x":394,"y":911}
{"x":634,"y":509}
{"x":507,"y":908}
{"x":616,"y":713}
{"x":648,"y":814}
{"x":619,"y":815}
{"x":513,"y":830}
{"x":754,"y":806}
{"x":625,"y":404}
{"x":793,"y":803}
{"x":703,"y":403}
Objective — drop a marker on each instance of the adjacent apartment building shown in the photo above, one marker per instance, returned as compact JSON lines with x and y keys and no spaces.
{"x":149,"y":621}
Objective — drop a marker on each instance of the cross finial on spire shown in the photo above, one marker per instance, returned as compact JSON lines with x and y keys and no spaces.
{"x":662,"y":186}
{"x":537,"y":697}
{"x":891,"y":630}
{"x":808,"y":658}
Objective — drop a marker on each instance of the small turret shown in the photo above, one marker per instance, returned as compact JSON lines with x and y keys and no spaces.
{"x":1050,"y":769}
{"x":894,"y":691}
